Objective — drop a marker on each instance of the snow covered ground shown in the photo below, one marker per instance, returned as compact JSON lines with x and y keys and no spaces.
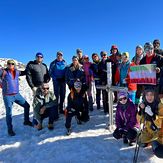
{"x":88,"y":143}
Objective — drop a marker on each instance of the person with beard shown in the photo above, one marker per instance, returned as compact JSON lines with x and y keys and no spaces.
{"x":157,"y":50}
{"x":127,"y":126}
{"x":148,"y":115}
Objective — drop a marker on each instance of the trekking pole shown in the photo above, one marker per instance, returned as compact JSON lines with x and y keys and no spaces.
{"x":136,"y":149}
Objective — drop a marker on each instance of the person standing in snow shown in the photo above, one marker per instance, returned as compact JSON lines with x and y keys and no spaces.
{"x":89,"y":80}
{"x":10,"y":91}
{"x":95,"y":68}
{"x":126,"y":123}
{"x":44,"y":105}
{"x":77,"y":106}
{"x":57,"y":72}
{"x":103,"y":78}
{"x":136,"y":61}
{"x":37,"y":73}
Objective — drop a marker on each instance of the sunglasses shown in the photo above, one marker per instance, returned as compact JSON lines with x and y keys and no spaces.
{"x":148,"y":49}
{"x":39,"y":57}
{"x":103,"y":55}
{"x":45,"y":88}
{"x":10,"y":63}
{"x":123,"y":98}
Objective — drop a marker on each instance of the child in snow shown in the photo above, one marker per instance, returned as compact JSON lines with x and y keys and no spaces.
{"x":44,"y":105}
{"x":148,"y":117}
{"x":77,"y":106}
{"x":126,"y":122}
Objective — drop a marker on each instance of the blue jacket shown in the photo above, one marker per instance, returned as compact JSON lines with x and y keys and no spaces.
{"x":9,"y":85}
{"x":57,"y":69}
{"x":123,"y":71}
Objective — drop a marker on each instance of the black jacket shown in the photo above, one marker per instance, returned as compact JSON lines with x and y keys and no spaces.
{"x":36,"y":74}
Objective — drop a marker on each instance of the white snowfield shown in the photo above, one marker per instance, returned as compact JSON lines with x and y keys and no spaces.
{"x":88,"y":143}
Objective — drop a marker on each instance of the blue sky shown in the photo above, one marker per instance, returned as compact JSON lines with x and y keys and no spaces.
{"x":47,"y":26}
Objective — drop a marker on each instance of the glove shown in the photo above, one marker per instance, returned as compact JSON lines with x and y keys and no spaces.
{"x":148,"y":110}
{"x":34,"y":90}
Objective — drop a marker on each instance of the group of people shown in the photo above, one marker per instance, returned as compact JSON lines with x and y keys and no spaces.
{"x":80,"y":76}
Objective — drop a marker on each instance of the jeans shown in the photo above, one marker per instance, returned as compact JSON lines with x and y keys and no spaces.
{"x":18,"y":99}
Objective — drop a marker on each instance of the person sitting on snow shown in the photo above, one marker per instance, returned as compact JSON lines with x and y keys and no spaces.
{"x":148,"y":112}
{"x":44,"y":105}
{"x":77,"y":106}
{"x":126,"y":123}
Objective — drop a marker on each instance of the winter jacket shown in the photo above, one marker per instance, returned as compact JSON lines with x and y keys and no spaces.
{"x":78,"y":102}
{"x":123,"y":68}
{"x":40,"y":100}
{"x":72,"y":74}
{"x":10,"y":85}
{"x":131,"y":86}
{"x":95,"y":69}
{"x":126,"y":119}
{"x":103,"y":71}
{"x":88,"y":72}
{"x":115,"y":65}
{"x":155,"y":60}
{"x":57,"y":69}
{"x":147,"y":134}
{"x":37,"y":74}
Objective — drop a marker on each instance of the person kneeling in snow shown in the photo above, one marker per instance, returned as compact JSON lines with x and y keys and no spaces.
{"x":148,"y":117}
{"x":126,"y":122}
{"x":44,"y":105}
{"x":77,"y":106}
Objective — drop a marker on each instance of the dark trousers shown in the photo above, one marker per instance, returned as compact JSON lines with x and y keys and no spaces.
{"x":51,"y":113}
{"x":130,"y":134}
{"x":69,"y":118}
{"x":59,"y":91}
{"x":105,"y":101}
{"x":98,"y":97}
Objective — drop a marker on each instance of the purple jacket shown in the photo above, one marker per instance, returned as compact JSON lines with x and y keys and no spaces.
{"x":126,"y":119}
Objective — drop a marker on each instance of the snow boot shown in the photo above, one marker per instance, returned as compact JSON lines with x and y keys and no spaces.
{"x":28,"y":123}
{"x":50,"y":126}
{"x":11,"y":132}
{"x":68,"y":131}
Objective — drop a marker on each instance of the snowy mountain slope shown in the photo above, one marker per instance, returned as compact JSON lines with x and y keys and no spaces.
{"x":88,"y":143}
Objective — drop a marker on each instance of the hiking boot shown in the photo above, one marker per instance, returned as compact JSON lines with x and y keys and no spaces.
{"x":50,"y":126}
{"x":68,"y":131}
{"x":28,"y":123}
{"x":11,"y":133}
{"x":125,"y":140}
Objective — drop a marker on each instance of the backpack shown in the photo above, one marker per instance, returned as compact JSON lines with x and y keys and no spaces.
{"x":2,"y":76}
